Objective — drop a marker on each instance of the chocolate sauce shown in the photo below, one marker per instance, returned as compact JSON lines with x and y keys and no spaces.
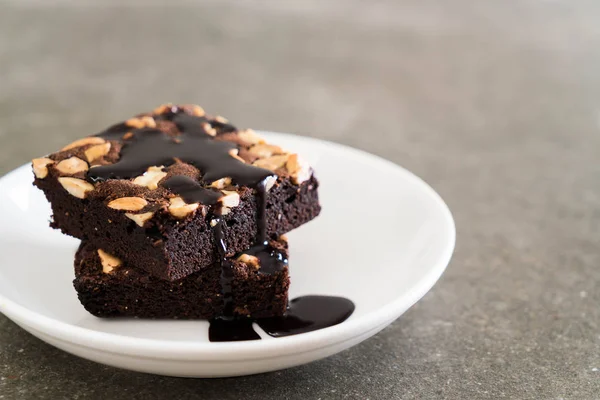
{"x":305,"y":314}
{"x":151,"y":147}
{"x":191,"y":191}
{"x":230,"y":330}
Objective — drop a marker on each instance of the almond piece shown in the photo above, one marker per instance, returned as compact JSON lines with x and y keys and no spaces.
{"x":140,"y":219}
{"x":141,"y":122}
{"x":298,"y":168}
{"x":196,"y":110}
{"x":209,"y":129}
{"x":272,"y":163}
{"x":221,"y":119}
{"x":221,"y":183}
{"x":151,"y":177}
{"x":128,"y":204}
{"x":234,"y":153}
{"x":95,"y":152}
{"x":162,"y":109}
{"x":83,"y":142}
{"x":269,"y":182}
{"x":231,"y":198}
{"x":40,"y":167}
{"x":180,"y":209}
{"x":71,"y":166}
{"x":76,"y":187}
{"x":265,"y":150}
{"x":251,"y":137}
{"x":249,"y":260}
{"x":109,"y":262}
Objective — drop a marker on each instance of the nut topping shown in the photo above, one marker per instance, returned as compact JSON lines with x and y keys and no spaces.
{"x":140,"y":219}
{"x":40,"y":167}
{"x":221,"y":183}
{"x":265,"y":150}
{"x":180,"y":209}
{"x":298,"y":169}
{"x":128,"y":204}
{"x":234,"y":153}
{"x":272,"y":163}
{"x":109,"y":262}
{"x":76,"y":187}
{"x":249,"y":260}
{"x":221,"y":119}
{"x":83,"y":142}
{"x":97,"y":151}
{"x":209,"y":129}
{"x":231,"y":198}
{"x":251,"y":137}
{"x":141,"y":122}
{"x":151,"y":177}
{"x":71,"y":166}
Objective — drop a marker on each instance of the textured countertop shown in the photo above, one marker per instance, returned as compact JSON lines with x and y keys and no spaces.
{"x":495,"y":104}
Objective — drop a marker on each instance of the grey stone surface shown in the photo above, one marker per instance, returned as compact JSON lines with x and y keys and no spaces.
{"x":496,"y":104}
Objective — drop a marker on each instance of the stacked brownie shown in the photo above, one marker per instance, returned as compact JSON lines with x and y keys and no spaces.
{"x":181,"y":215}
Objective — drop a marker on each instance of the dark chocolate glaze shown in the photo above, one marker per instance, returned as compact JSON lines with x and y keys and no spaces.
{"x":271,"y":260}
{"x":191,"y":191}
{"x":307,"y":314}
{"x":230,"y":330}
{"x":151,"y":147}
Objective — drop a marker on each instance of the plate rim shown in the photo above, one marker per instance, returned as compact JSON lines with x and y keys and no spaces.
{"x":249,"y":350}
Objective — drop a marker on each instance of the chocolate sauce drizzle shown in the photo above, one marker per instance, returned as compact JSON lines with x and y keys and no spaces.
{"x":149,"y":147}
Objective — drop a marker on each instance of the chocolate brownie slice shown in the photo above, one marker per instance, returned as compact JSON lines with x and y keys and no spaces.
{"x":254,"y":285}
{"x":174,"y":191}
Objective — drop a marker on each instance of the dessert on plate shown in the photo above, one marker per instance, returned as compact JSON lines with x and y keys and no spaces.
{"x":181,"y":215}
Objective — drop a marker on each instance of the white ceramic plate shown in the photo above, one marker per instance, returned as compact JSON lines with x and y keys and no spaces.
{"x":383,"y":239}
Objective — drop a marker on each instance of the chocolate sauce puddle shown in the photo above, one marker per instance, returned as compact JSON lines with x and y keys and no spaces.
{"x":149,"y":147}
{"x":305,"y":314}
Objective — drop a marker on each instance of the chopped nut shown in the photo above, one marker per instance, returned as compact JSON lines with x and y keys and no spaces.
{"x":83,"y":142}
{"x":270,"y":181}
{"x":128,"y":136}
{"x":283,"y":238}
{"x":231,"y":198}
{"x":221,"y":183}
{"x":251,"y":137}
{"x":109,"y":262}
{"x":209,"y":129}
{"x":298,"y":169}
{"x":76,"y":187}
{"x":213,"y":222}
{"x":141,"y":122}
{"x":97,"y":151}
{"x":265,"y":150}
{"x":272,"y":163}
{"x":249,"y":260}
{"x":225,"y":210}
{"x":40,"y":167}
{"x":195,"y":110}
{"x":151,"y":177}
{"x":128,"y":204}
{"x":234,"y":153}
{"x":163,"y":108}
{"x":180,"y":209}
{"x":221,"y":119}
{"x":140,"y":219}
{"x":72,"y":165}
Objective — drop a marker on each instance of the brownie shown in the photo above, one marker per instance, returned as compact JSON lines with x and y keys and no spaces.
{"x":175,"y":190}
{"x":108,"y":287}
